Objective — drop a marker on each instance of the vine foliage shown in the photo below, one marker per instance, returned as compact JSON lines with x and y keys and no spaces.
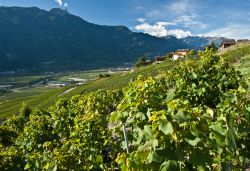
{"x":193,"y":118}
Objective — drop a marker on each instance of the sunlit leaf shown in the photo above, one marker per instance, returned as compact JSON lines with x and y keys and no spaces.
{"x":166,"y":128}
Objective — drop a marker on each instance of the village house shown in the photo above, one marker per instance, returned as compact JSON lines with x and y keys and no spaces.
{"x":180,"y":53}
{"x":159,"y":59}
{"x":243,"y":41}
{"x":148,"y":62}
{"x":175,"y":56}
{"x":227,"y":43}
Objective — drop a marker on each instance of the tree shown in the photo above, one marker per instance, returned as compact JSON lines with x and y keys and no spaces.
{"x":25,"y":111}
{"x":192,"y":54}
{"x":169,"y":55}
{"x":140,"y":62}
{"x":101,"y":76}
{"x":212,"y":47}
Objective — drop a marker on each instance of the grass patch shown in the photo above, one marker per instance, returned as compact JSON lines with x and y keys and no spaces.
{"x":120,"y":80}
{"x":11,"y":102}
{"x":236,"y":52}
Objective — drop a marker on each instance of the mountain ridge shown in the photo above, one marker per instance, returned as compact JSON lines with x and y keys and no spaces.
{"x":31,"y":38}
{"x":198,"y":42}
{"x":55,"y":40}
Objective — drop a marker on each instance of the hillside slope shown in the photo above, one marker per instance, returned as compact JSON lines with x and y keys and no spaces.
{"x":117,"y":81}
{"x":35,"y":39}
{"x":120,"y":80}
{"x":141,"y":127}
{"x":239,"y":55}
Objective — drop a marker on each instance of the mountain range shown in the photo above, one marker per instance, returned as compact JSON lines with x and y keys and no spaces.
{"x":198,"y":42}
{"x":55,"y":40}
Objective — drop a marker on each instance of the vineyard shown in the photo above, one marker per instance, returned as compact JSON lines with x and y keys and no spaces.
{"x":34,"y":96}
{"x":194,"y":117}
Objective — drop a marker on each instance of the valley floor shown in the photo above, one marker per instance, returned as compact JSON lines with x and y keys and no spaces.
{"x":42,"y":95}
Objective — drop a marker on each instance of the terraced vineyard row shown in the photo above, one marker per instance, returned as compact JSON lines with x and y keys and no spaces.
{"x":195,"y":117}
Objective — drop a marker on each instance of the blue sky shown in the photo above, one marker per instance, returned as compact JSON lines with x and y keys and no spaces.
{"x":228,"y":18}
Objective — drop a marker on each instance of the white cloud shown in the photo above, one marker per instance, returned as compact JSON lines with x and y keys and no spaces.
{"x":179,"y":33}
{"x":154,"y":30}
{"x":141,"y":20}
{"x":180,"y":6}
{"x":201,"y":35}
{"x":185,"y":19}
{"x":236,"y":31}
{"x":166,"y":23}
{"x":159,"y":30}
{"x":59,"y":2}
{"x":190,"y":22}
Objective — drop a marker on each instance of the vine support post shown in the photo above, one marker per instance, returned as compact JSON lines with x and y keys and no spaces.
{"x":125,"y":137}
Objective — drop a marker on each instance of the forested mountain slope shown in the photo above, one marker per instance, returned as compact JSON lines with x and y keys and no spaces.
{"x":55,"y":40}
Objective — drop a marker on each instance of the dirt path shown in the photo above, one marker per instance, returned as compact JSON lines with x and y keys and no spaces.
{"x":67,"y":91}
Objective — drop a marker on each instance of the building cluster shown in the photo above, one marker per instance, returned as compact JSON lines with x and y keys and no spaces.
{"x":159,"y":59}
{"x":156,"y":60}
{"x":71,"y":81}
{"x":180,"y":53}
{"x":57,"y":84}
{"x":6,"y":87}
{"x":230,"y":42}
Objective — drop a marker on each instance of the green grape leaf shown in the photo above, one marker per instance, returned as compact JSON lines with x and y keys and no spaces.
{"x":55,"y":168}
{"x":230,"y":140}
{"x":153,"y":157}
{"x":99,"y":159}
{"x":217,"y":128}
{"x":148,"y":131}
{"x":166,"y":128}
{"x":27,"y":166}
{"x":169,"y":165}
{"x":193,"y":142}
